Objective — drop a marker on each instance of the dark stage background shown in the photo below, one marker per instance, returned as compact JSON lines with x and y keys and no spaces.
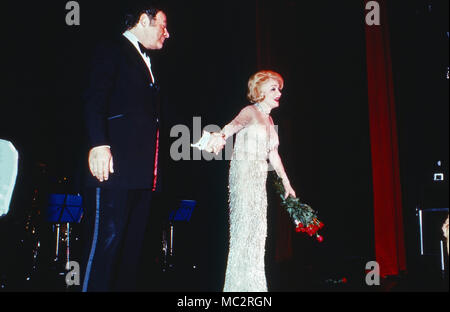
{"x":318,"y":47}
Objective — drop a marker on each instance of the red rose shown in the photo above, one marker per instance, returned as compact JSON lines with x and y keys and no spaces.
{"x":319,"y":238}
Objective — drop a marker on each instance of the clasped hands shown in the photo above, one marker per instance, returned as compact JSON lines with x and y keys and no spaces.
{"x":216,"y":143}
{"x":211,"y":142}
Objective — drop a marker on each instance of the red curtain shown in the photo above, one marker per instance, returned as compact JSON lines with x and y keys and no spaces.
{"x":388,"y":219}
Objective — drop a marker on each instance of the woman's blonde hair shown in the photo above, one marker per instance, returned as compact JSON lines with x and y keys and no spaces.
{"x":257,"y":80}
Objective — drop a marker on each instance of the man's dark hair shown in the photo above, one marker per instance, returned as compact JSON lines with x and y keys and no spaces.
{"x":135,"y":11}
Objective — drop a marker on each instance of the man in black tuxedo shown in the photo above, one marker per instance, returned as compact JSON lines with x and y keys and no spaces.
{"x":122,"y":119}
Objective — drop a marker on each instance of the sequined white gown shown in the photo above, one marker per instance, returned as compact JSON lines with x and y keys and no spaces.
{"x":255,"y":137}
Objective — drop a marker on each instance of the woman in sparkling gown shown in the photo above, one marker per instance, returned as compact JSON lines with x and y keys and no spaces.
{"x":256,"y":143}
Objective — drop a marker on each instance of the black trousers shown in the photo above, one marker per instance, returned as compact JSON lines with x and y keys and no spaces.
{"x":115,"y":223}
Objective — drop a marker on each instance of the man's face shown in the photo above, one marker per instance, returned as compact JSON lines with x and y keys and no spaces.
{"x":156,"y":32}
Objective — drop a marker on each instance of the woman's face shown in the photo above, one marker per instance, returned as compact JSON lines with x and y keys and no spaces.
{"x":272,"y":93}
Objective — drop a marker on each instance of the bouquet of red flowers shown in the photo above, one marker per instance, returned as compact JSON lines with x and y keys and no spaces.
{"x":305,"y":218}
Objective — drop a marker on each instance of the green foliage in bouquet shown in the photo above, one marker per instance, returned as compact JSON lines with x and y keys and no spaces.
{"x":305,"y":218}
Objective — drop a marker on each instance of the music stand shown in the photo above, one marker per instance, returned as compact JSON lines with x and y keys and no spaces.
{"x":64,"y":208}
{"x":182,"y":214}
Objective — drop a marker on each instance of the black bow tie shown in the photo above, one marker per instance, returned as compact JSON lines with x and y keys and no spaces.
{"x":144,"y":50}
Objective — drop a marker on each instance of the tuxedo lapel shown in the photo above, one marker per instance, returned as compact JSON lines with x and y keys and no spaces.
{"x":135,"y":58}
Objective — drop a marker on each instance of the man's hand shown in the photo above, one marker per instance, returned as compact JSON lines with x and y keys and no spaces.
{"x":101,"y":162}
